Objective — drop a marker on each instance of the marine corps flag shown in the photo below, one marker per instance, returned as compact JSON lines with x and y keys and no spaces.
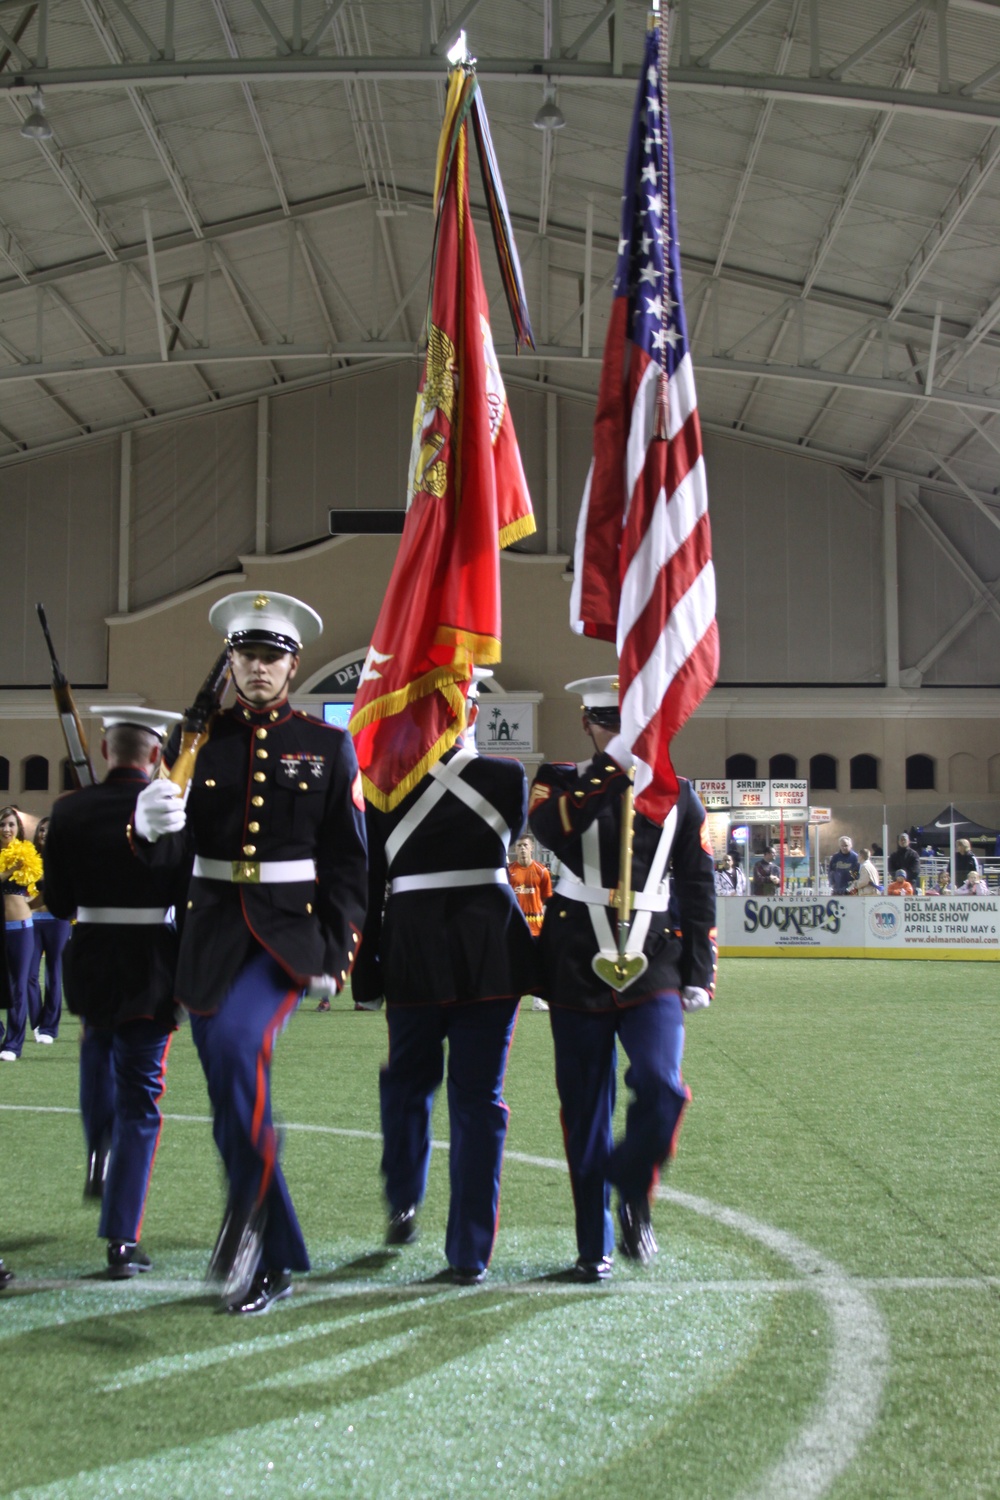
{"x":467,"y":495}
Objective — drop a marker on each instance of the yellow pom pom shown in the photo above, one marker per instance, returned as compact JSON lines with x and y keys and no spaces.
{"x":21,"y":863}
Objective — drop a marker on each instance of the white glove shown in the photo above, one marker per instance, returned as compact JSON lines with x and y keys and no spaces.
{"x":159,"y":809}
{"x":322,"y":985}
{"x":693,"y":998}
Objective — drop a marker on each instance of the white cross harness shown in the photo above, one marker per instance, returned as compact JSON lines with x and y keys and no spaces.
{"x":654,"y":896}
{"x":446,"y":776}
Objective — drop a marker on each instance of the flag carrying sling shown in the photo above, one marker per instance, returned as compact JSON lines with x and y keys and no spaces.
{"x":466,"y":491}
{"x":643,"y":574}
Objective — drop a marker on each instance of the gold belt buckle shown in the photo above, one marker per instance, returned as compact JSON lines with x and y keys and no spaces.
{"x":246,"y":871}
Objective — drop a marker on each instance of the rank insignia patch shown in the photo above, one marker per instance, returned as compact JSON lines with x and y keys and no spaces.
{"x":539,"y":793}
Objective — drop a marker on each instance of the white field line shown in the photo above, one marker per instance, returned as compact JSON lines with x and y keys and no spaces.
{"x":849,"y":1406}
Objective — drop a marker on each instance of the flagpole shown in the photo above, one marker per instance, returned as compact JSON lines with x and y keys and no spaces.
{"x":623,"y":895}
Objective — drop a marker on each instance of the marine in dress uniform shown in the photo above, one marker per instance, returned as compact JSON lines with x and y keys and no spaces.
{"x":119,"y":970}
{"x":576,"y":812}
{"x":273,"y":837}
{"x":452,"y":956}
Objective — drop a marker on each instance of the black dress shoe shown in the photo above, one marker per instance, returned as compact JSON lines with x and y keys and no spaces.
{"x":638,"y":1242}
{"x":236,"y":1257}
{"x":266,"y":1287}
{"x":6,"y":1277}
{"x":593,"y":1270}
{"x":467,"y":1275}
{"x":402,"y":1228}
{"x":97,"y":1171}
{"x":125,"y":1260}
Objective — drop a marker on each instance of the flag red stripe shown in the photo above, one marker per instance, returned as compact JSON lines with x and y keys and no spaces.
{"x":673,"y":581}
{"x":688,"y":689}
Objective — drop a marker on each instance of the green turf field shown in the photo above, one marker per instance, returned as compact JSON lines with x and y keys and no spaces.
{"x":823,"y":1316}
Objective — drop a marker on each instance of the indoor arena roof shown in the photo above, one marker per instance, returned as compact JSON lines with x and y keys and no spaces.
{"x":236,"y":196}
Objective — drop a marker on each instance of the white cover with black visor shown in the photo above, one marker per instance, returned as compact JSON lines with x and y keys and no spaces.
{"x":256,"y":618}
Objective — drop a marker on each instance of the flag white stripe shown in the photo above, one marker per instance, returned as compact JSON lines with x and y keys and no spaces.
{"x":671,"y":524}
{"x":681,"y":400}
{"x":689,"y":620}
{"x":640,"y":432}
{"x":575,"y":621}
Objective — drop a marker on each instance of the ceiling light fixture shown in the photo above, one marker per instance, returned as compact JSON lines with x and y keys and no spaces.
{"x":549,"y":116}
{"x":36,"y":126}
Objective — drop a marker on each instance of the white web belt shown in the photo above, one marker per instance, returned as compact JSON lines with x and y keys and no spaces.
{"x":439,"y":880}
{"x":596,"y":897}
{"x":123,"y":916}
{"x":256,"y":871}
{"x":592,"y":895}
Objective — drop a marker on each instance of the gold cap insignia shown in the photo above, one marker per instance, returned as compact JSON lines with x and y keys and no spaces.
{"x":261,"y":601}
{"x":614,"y":684}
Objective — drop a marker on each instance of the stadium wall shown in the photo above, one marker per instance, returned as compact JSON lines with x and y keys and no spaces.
{"x":839,"y":604}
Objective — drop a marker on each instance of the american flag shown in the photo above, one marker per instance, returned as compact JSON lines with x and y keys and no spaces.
{"x":643,"y":574}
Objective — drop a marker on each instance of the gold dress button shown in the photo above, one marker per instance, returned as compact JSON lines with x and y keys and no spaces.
{"x":595,"y":781}
{"x":190,"y":905}
{"x":343,"y":976}
{"x":253,"y":828}
{"x":210,"y":782}
{"x":350,"y":954}
{"x":274,"y":714}
{"x":249,"y":849}
{"x":262,"y":755}
{"x":309,"y":907}
{"x":256,"y":801}
{"x":303,"y":786}
{"x":246,"y":713}
{"x":261,"y":734}
{"x":260,"y":776}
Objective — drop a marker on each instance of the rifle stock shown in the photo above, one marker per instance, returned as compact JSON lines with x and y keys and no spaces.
{"x":69,"y":718}
{"x":198,"y":719}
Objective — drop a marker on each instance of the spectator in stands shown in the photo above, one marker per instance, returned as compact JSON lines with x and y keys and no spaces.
{"x":51,"y":937}
{"x":844,"y":867}
{"x":532,"y":887}
{"x":966,"y":863}
{"x":899,"y":885}
{"x":974,"y":885}
{"x":729,"y":878}
{"x":766,"y":874}
{"x":867,"y":883}
{"x":904,"y":858}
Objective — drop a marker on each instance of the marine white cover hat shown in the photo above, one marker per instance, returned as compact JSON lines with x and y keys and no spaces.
{"x":596,"y":692}
{"x":265,"y":619}
{"x":156,"y":720}
{"x":479,"y":675}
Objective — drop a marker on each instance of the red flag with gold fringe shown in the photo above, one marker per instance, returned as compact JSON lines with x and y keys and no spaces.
{"x":466,"y":492}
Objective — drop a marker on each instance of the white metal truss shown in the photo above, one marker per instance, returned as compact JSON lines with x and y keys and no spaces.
{"x":297,"y":56}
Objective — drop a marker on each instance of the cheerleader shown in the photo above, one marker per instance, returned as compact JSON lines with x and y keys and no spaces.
{"x":20,"y":870}
{"x":51,"y":937}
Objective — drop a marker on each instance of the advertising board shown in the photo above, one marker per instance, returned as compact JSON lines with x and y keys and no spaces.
{"x":858,"y":927}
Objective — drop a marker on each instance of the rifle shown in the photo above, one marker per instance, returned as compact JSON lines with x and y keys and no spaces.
{"x":76,"y":740}
{"x":198,"y":718}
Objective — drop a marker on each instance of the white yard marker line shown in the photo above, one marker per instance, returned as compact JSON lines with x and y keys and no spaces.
{"x":849,"y":1407}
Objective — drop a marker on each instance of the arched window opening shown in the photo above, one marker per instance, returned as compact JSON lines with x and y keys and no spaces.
{"x":36,"y":774}
{"x":919,"y":773}
{"x":823,"y":773}
{"x":783,"y":767}
{"x":741,"y":767}
{"x":4,"y":774}
{"x":864,"y":773}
